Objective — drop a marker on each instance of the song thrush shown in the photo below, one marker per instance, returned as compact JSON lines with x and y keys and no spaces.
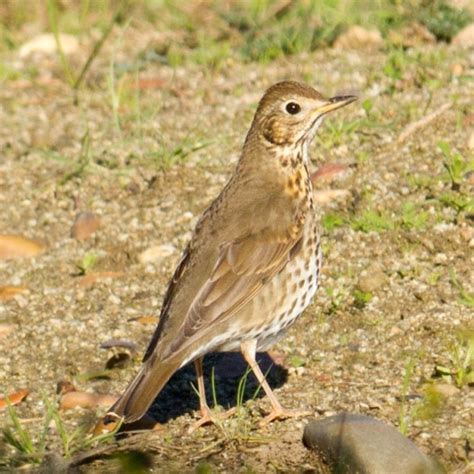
{"x":252,"y":265}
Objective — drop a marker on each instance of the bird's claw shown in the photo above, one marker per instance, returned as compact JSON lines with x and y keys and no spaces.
{"x":281,"y":414}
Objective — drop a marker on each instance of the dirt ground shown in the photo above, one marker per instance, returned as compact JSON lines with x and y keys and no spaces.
{"x":388,"y":332}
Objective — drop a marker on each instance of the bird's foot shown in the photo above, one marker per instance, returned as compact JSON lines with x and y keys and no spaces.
{"x":210,"y":416}
{"x":282,"y":413}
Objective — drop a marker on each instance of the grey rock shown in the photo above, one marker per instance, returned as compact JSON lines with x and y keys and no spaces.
{"x":353,"y":443}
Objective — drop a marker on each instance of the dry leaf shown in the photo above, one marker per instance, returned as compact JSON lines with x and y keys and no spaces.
{"x":16,"y":246}
{"x":14,"y":398}
{"x":327,"y":195}
{"x":9,"y":292}
{"x":328,"y":172}
{"x":6,"y":329}
{"x":86,"y":400}
{"x":149,"y":83}
{"x":147,"y":320}
{"x":91,"y":278}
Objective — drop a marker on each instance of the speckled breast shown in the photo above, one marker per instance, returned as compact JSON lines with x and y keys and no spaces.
{"x":283,"y":299}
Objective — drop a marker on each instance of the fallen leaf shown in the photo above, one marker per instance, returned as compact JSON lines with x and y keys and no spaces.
{"x":150,"y":83}
{"x":13,"y":399}
{"x":6,"y":329}
{"x":146,"y":320}
{"x":85,"y":224}
{"x":16,"y":246}
{"x":91,"y":278}
{"x":327,"y":195}
{"x":9,"y":292}
{"x":86,"y":400}
{"x":328,"y":172}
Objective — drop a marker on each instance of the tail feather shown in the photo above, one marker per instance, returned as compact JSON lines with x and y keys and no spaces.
{"x":143,"y":389}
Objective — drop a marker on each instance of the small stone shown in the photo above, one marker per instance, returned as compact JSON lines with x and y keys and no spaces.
{"x":440,"y":259}
{"x":359,"y":443}
{"x":46,"y":44}
{"x":465,"y":37}
{"x":85,"y":224}
{"x":445,"y":389}
{"x":357,"y":37}
{"x":156,"y":253}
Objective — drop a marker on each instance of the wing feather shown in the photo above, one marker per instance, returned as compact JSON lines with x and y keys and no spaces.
{"x":243,"y":267}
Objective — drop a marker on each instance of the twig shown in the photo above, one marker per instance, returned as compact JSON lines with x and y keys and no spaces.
{"x":97,"y":48}
{"x":423,"y":122}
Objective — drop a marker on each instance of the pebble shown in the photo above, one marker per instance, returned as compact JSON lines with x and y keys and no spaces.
{"x":440,"y":259}
{"x":156,"y":253}
{"x":359,"y":443}
{"x":46,"y":44}
{"x":85,"y":224}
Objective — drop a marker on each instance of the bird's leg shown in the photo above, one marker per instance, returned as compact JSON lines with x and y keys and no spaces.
{"x":248,"y":349}
{"x":206,"y":414}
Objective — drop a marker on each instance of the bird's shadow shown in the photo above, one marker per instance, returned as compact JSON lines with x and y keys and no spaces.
{"x":223,"y":373}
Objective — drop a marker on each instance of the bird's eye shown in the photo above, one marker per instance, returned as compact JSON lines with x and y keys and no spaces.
{"x":293,"y":108}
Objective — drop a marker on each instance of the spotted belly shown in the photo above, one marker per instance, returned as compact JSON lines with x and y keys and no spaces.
{"x":282,"y":301}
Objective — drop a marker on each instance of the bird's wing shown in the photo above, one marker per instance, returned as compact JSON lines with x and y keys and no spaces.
{"x":243,"y":267}
{"x":168,"y":298}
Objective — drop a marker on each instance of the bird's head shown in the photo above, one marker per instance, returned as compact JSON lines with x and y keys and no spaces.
{"x":290,"y":112}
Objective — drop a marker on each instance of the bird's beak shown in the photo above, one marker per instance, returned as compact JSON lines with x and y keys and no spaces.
{"x":336,"y":103}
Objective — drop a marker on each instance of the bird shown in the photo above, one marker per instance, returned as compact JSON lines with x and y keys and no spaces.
{"x":253,"y":262}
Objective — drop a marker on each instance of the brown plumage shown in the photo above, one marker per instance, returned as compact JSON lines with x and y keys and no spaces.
{"x":252,"y":264}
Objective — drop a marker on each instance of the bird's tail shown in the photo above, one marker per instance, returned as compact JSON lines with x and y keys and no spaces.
{"x":141,"y":392}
